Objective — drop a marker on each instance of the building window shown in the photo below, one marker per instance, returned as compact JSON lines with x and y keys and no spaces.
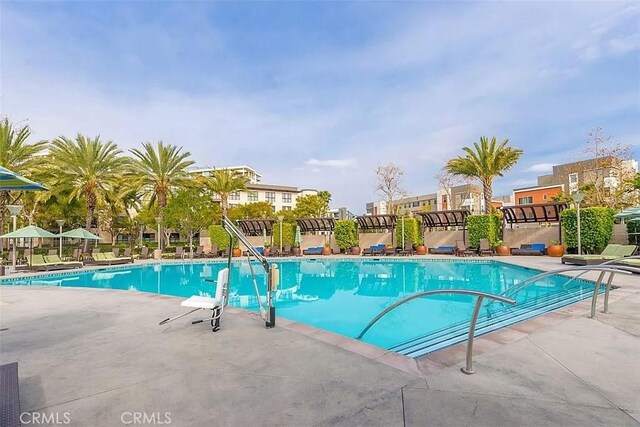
{"x":252,"y":196}
{"x":122,"y":238}
{"x":286,"y":197}
{"x":525,"y":200}
{"x":234,"y":196}
{"x":270,"y":196}
{"x":286,"y":208}
{"x":573,"y":182}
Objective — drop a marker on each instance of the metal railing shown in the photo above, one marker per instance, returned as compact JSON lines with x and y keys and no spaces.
{"x":608,"y":267}
{"x":480,"y":296}
{"x":233,"y":231}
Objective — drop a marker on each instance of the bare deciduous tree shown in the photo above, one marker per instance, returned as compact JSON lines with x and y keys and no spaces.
{"x":389,"y":185}
{"x":446,"y":181}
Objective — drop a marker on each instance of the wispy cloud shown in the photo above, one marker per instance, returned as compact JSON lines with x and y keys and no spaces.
{"x":332,"y":163}
{"x":541,"y":167}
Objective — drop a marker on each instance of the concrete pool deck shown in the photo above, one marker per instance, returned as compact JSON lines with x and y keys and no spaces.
{"x":100,"y":356}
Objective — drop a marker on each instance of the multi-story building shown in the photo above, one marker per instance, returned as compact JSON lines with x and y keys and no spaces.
{"x":536,"y":194}
{"x":607,"y":172}
{"x":281,"y":197}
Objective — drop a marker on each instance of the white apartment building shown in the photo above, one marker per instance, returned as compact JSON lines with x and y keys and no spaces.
{"x":281,"y":197}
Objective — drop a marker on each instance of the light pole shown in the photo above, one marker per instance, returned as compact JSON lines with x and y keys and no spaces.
{"x":14,"y":210}
{"x":60,"y":223}
{"x":280,"y":218}
{"x":578,"y":198}
{"x":403,"y":216}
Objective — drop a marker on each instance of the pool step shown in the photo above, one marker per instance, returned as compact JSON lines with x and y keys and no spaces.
{"x":458,"y":333}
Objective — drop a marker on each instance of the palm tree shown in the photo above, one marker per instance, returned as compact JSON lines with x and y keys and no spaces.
{"x":158,"y":171}
{"x":86,"y":169}
{"x":223,"y":182}
{"x":16,"y":154}
{"x":484,"y":162}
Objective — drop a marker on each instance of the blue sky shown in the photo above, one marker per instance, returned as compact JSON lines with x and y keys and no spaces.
{"x":316,"y":94}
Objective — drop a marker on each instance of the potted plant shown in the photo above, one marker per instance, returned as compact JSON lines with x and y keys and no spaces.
{"x":355,"y":250}
{"x":267,"y":249}
{"x":236,"y":252}
{"x":502,"y":249}
{"x":421,"y":249}
{"x":296,"y":249}
{"x":327,"y":249}
{"x":555,"y":249}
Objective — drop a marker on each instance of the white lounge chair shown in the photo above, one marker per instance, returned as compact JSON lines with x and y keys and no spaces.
{"x":215,"y":304}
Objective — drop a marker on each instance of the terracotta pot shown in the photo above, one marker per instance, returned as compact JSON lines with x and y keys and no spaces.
{"x":421,"y":250}
{"x":326,"y":250}
{"x":266,"y":251}
{"x":555,"y":250}
{"x":503,"y":250}
{"x":355,"y":250}
{"x":296,"y":251}
{"x":236,"y":252}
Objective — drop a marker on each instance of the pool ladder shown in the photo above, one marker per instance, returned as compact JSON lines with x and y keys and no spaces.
{"x":608,"y":267}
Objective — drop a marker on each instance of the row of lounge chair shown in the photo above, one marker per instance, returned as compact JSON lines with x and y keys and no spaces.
{"x":611,"y":252}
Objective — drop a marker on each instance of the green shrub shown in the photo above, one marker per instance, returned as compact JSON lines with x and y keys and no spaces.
{"x":412,"y":231}
{"x":596,"y":227}
{"x":633,"y":227}
{"x":219,"y":237}
{"x":288,"y":233}
{"x":346,"y":233}
{"x":483,"y":227}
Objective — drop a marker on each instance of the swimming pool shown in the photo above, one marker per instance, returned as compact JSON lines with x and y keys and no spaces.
{"x":342,"y":296}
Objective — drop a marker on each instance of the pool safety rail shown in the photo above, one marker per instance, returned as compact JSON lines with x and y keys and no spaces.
{"x":268,"y":315}
{"x":506,"y":297}
{"x":480,"y":296}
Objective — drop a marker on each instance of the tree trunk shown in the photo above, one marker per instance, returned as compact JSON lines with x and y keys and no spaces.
{"x":91,"y":209}
{"x":487,"y":191}
{"x":4,"y":198}
{"x":162,"y":202}
{"x":190,"y":244}
{"x":224,"y":203}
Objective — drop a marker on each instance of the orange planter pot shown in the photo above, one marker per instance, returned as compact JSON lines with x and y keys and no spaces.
{"x":236,"y":252}
{"x":503,"y":250}
{"x":555,"y":250}
{"x":326,"y":250}
{"x":421,"y":250}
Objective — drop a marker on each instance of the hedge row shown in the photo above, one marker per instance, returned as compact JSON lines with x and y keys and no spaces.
{"x":596,"y":227}
{"x":483,"y":227}
{"x":412,"y":231}
{"x":346,"y":233}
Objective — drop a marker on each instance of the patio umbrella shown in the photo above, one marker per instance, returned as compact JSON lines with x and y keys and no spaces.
{"x":80,"y":233}
{"x":298,"y":238}
{"x":29,"y":232}
{"x":630,"y":212}
{"x":10,"y":180}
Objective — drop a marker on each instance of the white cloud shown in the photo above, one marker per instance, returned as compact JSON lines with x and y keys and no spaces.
{"x":332,"y":163}
{"x":541,"y":167}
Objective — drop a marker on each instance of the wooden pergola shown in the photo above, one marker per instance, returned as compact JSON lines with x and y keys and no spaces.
{"x":538,"y":213}
{"x":378,"y":222}
{"x":315,"y":224}
{"x":438,"y":219}
{"x":257,"y":226}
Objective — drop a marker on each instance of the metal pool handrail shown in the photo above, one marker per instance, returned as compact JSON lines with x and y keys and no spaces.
{"x":233,"y":231}
{"x":468,"y":369}
{"x":602,"y":268}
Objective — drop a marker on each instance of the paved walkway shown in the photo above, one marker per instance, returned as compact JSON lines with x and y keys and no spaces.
{"x":100,"y":357}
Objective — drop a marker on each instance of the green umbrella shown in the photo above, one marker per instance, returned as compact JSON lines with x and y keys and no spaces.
{"x":10,"y":180}
{"x":630,"y":212}
{"x":298,"y":238}
{"x":79,"y":233}
{"x":29,"y":232}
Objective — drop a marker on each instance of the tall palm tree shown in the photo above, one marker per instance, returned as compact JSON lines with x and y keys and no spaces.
{"x":16,"y":154}
{"x":86,"y":169}
{"x":158,"y":171}
{"x":484,"y":162}
{"x":223,"y":182}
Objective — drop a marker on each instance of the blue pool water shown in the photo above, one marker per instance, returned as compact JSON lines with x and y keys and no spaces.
{"x":342,"y":296}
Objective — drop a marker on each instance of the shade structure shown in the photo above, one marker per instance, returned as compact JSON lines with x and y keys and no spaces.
{"x":629,"y":213}
{"x":29,"y":232}
{"x":79,"y":233}
{"x":10,"y":180}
